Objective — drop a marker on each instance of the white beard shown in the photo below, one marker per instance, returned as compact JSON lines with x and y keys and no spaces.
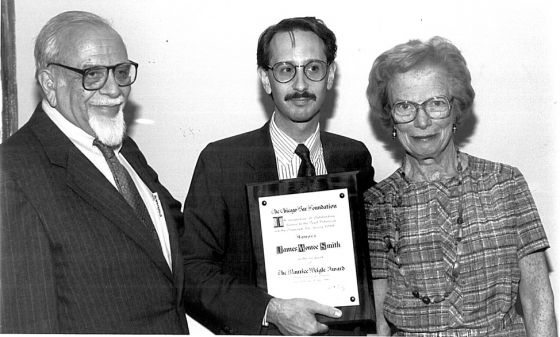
{"x":110,"y":131}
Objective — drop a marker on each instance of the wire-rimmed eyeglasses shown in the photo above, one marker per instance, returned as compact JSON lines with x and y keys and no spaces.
{"x":314,"y":70}
{"x":438,"y":107}
{"x":94,"y":78}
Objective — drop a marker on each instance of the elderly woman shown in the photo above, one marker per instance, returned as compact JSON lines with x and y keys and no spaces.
{"x":454,"y":239}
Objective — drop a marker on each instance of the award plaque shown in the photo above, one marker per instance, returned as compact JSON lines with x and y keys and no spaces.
{"x":310,"y":241}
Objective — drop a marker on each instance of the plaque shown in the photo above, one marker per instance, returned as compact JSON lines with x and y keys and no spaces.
{"x":310,"y":241}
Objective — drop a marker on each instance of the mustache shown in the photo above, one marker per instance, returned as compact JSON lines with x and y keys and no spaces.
{"x":296,"y":95}
{"x":108,"y":101}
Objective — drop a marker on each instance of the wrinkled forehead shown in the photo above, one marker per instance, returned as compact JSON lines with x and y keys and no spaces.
{"x":85,"y":42}
{"x":418,"y":84}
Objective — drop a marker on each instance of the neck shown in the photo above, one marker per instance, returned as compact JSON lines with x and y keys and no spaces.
{"x":432,"y":168}
{"x":298,"y":131}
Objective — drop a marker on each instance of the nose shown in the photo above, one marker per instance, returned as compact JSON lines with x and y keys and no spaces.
{"x":111,"y":88}
{"x":422,"y":120}
{"x":300,"y":80}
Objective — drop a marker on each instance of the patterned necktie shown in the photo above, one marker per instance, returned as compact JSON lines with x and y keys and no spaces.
{"x":306,"y":168}
{"x":126,"y":186}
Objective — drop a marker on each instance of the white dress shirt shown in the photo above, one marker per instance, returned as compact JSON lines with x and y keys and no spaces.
{"x":287,"y":161}
{"x":84,"y":142}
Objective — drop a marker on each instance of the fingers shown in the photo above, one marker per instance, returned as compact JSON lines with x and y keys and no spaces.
{"x":324,"y":310}
{"x":321,"y":328}
{"x":297,"y":316}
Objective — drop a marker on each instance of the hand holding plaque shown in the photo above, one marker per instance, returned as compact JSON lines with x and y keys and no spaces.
{"x":297,"y":316}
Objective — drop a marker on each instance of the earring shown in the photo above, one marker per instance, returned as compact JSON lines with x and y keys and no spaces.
{"x":394,"y":133}
{"x":454,"y":129}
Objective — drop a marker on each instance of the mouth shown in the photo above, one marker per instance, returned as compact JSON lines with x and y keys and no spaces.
{"x":107,"y":109}
{"x":301,"y":101}
{"x":424,"y":138}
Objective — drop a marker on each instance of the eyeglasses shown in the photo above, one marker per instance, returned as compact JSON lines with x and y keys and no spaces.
{"x":94,"y":78}
{"x":314,"y":70}
{"x":438,"y":107}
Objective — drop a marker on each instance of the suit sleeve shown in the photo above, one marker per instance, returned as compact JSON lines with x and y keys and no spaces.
{"x":224,"y":302}
{"x":28,"y":298}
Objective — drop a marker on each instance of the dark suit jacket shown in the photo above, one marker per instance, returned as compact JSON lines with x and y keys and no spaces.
{"x":74,"y":256}
{"x":219,"y":261}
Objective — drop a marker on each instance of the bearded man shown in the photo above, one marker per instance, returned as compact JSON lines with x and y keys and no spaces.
{"x":89,"y":237}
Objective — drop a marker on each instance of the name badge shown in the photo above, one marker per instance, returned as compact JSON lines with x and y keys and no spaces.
{"x":155,"y":197}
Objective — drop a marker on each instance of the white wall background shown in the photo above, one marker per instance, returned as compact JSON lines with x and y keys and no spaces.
{"x":198,"y":82}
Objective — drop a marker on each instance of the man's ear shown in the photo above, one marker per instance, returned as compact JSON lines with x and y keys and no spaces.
{"x":330,"y":75}
{"x":265,"y":81}
{"x":48,"y":85}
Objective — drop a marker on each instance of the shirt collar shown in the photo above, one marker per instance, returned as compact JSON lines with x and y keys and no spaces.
{"x":284,"y":145}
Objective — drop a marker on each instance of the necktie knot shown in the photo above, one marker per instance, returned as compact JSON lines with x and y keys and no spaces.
{"x":306,"y":168}
{"x":302,"y":151}
{"x":105,"y":150}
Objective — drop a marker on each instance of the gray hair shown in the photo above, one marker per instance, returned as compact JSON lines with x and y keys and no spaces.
{"x":414,"y":54}
{"x":47,"y":44}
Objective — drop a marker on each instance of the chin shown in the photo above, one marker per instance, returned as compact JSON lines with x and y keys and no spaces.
{"x":109,"y":130}
{"x":301,"y":120}
{"x":303,"y":117}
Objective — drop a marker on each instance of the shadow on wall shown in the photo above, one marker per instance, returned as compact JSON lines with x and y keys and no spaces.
{"x":327,"y":110}
{"x":465,"y":130}
{"x":131,"y":111}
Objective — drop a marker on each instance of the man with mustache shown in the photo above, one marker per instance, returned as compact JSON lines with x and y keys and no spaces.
{"x":89,"y":237}
{"x":296,"y":67}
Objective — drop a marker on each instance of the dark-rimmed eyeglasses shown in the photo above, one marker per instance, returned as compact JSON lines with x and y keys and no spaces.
{"x":94,"y":78}
{"x":438,"y":107}
{"x":314,"y":70}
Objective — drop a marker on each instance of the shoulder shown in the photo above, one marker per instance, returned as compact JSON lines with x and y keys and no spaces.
{"x":241,"y":143}
{"x":386,"y":188}
{"x":482,"y":168}
{"x":345,"y":151}
{"x":22,"y":137}
{"x":21,"y":149}
{"x":334,"y":139}
{"x":24,"y":165}
{"x":27,"y":137}
{"x":242,"y":139}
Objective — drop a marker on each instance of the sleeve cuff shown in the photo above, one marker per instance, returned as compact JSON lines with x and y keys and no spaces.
{"x":264,"y":322}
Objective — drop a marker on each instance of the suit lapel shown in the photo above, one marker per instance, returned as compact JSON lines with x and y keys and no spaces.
{"x":132,"y":155}
{"x":330,"y":154}
{"x":90,"y":184}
